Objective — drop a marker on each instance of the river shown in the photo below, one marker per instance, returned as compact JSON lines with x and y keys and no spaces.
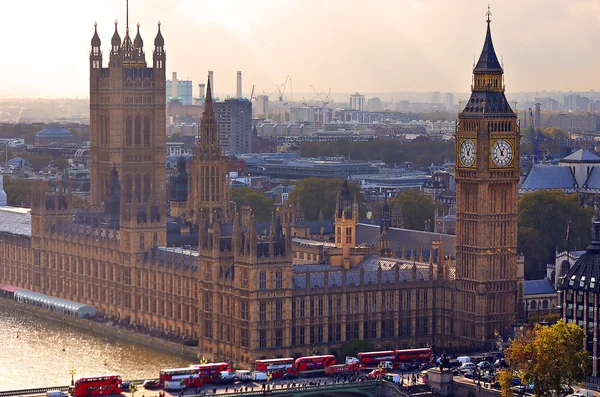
{"x":31,"y":353}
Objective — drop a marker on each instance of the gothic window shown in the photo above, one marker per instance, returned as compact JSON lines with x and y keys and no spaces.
{"x":155,"y":240}
{"x":106,"y":130}
{"x":142,"y":242}
{"x":244,"y":335}
{"x":146,"y":131}
{"x":244,"y":310}
{"x":128,"y":131}
{"x":339,"y":235}
{"x":146,"y":188}
{"x":101,"y":129}
{"x":279,"y":310}
{"x":278,"y":280}
{"x":262,"y":339}
{"x":138,"y":187}
{"x":138,"y":131}
{"x":262,"y":281}
{"x":128,"y":188}
{"x":262,"y":311}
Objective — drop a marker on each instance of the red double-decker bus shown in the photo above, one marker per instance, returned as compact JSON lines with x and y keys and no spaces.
{"x":424,"y":355}
{"x":372,"y":359}
{"x":210,"y":372}
{"x":276,"y":366}
{"x":312,"y":364}
{"x":102,"y":385}
{"x":189,"y":376}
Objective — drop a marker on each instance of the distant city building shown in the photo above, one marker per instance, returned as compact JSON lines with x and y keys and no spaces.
{"x":303,"y":114}
{"x":3,"y":197}
{"x":435,"y":97}
{"x":357,"y":102}
{"x":183,"y":92}
{"x":537,"y":115}
{"x":374,"y":104}
{"x":238,"y":91}
{"x":50,"y":135}
{"x":262,"y":105}
{"x":449,"y":101}
{"x":234,"y":117}
{"x":574,"y":123}
{"x":403,"y":106}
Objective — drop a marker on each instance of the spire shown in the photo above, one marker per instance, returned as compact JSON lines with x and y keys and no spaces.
{"x":127,"y":15}
{"x":138,"y":42}
{"x":488,"y":60}
{"x":208,"y":99}
{"x":116,"y":39}
{"x":158,"y":40}
{"x":95,"y":38}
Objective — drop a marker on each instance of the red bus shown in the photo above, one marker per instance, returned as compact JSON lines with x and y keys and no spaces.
{"x":424,"y":355}
{"x":312,"y":364}
{"x":189,"y":376}
{"x":372,"y":359}
{"x":210,"y":372}
{"x":102,"y":385}
{"x":276,"y":366}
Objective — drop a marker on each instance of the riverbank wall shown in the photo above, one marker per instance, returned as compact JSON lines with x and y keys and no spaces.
{"x":107,"y":330}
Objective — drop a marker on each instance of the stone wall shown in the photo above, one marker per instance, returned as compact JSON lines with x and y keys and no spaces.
{"x":462,"y":390}
{"x":123,"y":334}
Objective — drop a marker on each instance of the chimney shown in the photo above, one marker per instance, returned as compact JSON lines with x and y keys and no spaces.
{"x":201,"y":92}
{"x":212,"y":83}
{"x":239,"y":85}
{"x":174,"y":86}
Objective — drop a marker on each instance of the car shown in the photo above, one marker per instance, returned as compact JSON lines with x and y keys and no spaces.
{"x":520,"y":389}
{"x":484,"y":365}
{"x":151,"y":384}
{"x":126,"y":386}
{"x":288,"y":376}
{"x":516,"y":382}
{"x":469,"y":366}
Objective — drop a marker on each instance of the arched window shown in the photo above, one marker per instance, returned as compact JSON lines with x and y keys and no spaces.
{"x":155,"y":240}
{"x":138,"y":187}
{"x":146,"y":131}
{"x":128,"y":188}
{"x":142,"y":245}
{"x":545,"y":304}
{"x":128,"y":131}
{"x":146,"y":188}
{"x":278,"y":279}
{"x":533,"y":305}
{"x":262,"y":280}
{"x":138,"y":131}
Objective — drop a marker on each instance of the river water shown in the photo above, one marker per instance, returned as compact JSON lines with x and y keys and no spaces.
{"x":31,"y":353}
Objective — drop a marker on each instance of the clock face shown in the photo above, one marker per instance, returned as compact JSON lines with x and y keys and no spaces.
{"x":502,"y":153}
{"x":467,"y":153}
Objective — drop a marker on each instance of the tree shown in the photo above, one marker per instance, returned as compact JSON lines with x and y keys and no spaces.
{"x":61,"y":164}
{"x":544,"y":217}
{"x":261,"y":205}
{"x":555,"y":133}
{"x":355,"y":346}
{"x":549,"y":357}
{"x":18,"y":191}
{"x":79,"y":202}
{"x":417,"y":208}
{"x":316,"y":194}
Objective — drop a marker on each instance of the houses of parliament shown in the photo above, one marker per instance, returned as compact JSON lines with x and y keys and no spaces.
{"x":247,"y":290}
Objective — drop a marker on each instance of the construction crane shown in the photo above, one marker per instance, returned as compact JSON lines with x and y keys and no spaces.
{"x":252,"y":94}
{"x":327,"y":98}
{"x":535,"y":136}
{"x":281,"y":89}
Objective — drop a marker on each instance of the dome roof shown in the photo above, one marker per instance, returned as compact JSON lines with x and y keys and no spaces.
{"x":585,"y":273}
{"x":54,"y":132}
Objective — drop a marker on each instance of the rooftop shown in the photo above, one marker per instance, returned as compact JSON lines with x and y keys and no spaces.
{"x":545,"y":176}
{"x":581,"y":156}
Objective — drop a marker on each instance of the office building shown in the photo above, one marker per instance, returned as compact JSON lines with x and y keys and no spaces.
{"x":234,"y":117}
{"x":357,"y":102}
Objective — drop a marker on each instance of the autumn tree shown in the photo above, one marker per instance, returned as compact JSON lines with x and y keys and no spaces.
{"x":18,"y":191}
{"x":261,"y":205}
{"x":548,"y":357}
{"x":543,"y":221}
{"x":555,"y":133}
{"x":316,"y":194}
{"x":417,"y":209}
{"x":355,"y":346}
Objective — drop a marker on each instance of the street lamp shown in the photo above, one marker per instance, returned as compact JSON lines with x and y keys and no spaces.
{"x":72,"y":372}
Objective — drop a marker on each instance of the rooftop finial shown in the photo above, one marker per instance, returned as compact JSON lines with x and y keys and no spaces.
{"x":127,"y":14}
{"x":488,"y":14}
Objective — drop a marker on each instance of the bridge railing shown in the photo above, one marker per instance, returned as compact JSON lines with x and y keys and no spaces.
{"x":43,"y":390}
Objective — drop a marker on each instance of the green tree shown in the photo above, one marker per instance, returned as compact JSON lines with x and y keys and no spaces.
{"x":355,"y":346}
{"x":544,"y":217}
{"x":37,"y":163}
{"x":18,"y":191}
{"x":61,"y":164}
{"x":79,"y":202}
{"x":549,"y":357}
{"x":555,"y":133}
{"x":261,"y":205}
{"x":417,"y":208}
{"x":316,"y":194}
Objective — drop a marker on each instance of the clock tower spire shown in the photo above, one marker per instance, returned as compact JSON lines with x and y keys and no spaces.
{"x":487,"y":176}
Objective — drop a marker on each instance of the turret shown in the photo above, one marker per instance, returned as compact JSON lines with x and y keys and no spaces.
{"x":96,"y":52}
{"x":159,"y":56}
{"x":116,"y":56}
{"x":138,"y":44}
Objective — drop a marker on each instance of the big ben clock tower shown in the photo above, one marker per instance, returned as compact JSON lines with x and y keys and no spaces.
{"x":487,"y":177}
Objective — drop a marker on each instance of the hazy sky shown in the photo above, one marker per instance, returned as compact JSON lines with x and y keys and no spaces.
{"x":348,"y":45}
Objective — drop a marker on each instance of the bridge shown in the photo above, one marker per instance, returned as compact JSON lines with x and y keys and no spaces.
{"x":375,"y":388}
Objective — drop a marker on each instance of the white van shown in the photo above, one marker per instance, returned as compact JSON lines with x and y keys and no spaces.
{"x":227,"y":376}
{"x":56,"y":393}
{"x":243,"y":375}
{"x":174,"y":385}
{"x":463,"y":360}
{"x":259,"y":376}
